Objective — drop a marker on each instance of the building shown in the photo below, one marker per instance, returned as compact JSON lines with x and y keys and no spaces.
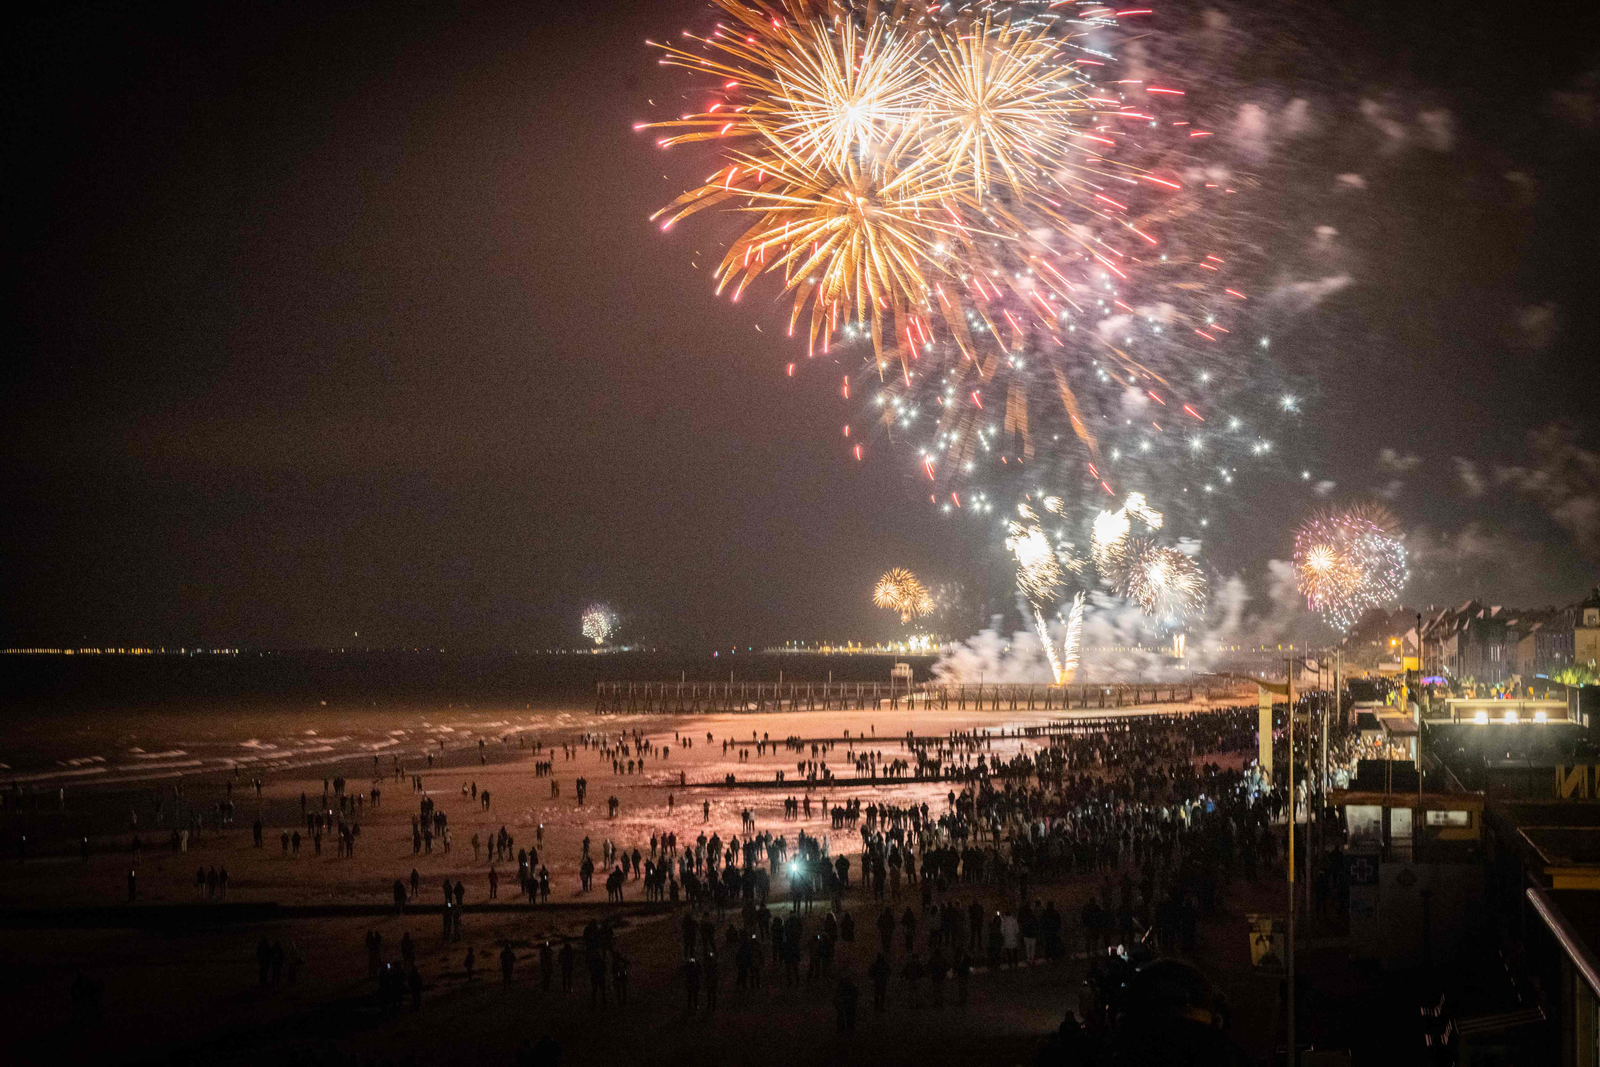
{"x":1544,"y":641}
{"x":1539,"y":864}
{"x":1586,"y":632}
{"x":1469,"y":642}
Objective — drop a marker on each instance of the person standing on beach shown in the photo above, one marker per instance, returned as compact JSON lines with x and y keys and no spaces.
{"x":711,"y":980}
{"x":879,"y":973}
{"x":620,"y":965}
{"x":691,"y":984}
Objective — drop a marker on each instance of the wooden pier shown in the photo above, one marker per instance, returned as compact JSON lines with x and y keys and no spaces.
{"x":689,"y":698}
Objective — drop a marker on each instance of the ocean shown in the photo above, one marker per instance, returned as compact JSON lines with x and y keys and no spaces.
{"x":106,"y":720}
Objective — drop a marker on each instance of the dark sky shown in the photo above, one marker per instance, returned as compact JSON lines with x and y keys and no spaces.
{"x":336,"y":318}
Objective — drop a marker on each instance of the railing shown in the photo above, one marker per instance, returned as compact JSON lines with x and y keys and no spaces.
{"x":1462,"y":710}
{"x":694,"y":697}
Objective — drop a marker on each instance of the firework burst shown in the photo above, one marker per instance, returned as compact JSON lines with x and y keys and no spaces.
{"x":599,"y":623}
{"x":1041,"y":570}
{"x":900,"y":591}
{"x":960,"y":189}
{"x":1348,"y":560}
{"x":1164,"y":581}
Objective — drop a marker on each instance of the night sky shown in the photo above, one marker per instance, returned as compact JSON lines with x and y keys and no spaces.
{"x":337,"y":318}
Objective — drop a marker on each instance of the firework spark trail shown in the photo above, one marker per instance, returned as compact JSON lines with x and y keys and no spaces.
{"x":1348,"y":560}
{"x":1072,"y":643}
{"x":1042,"y":628}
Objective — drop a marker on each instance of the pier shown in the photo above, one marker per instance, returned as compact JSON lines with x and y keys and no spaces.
{"x":689,"y":698}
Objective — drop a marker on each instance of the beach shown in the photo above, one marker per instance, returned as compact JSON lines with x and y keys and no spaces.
{"x":329,"y":902}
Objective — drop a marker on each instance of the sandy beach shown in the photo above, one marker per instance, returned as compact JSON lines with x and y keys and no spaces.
{"x":500,"y":759}
{"x":214,"y":960}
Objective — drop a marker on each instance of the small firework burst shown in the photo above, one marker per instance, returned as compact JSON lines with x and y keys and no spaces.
{"x":599,"y":623}
{"x":1347,"y":560}
{"x":900,"y":591}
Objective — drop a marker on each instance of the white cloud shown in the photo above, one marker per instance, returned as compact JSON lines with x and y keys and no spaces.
{"x":1471,"y":481}
{"x":1478,"y":561}
{"x":1393,"y":462}
{"x":1303,"y":296}
{"x":1565,"y":480}
{"x":1325,"y":487}
{"x":1297,"y":120}
{"x":1438,"y":129}
{"x":1579,"y":105}
{"x":1394,"y":132}
{"x":1352,"y":181}
{"x":1250,"y":131}
{"x":1115,"y":327}
{"x":1536,"y":327}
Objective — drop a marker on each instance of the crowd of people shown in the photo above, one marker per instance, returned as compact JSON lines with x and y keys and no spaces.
{"x":1147,"y":818}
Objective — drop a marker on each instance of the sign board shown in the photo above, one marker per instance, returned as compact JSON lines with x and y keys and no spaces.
{"x":1267,"y":941}
{"x":1410,"y":663}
